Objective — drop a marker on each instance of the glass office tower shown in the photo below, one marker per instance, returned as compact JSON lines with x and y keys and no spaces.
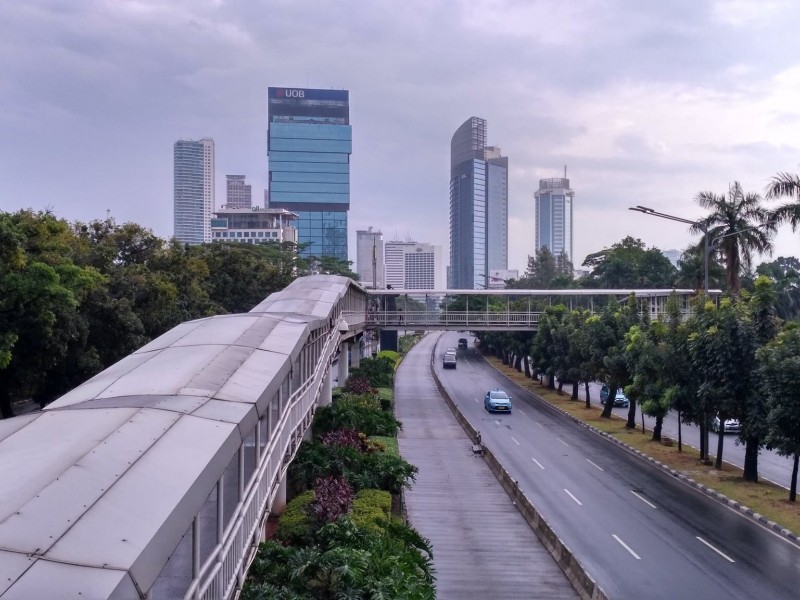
{"x":310,"y":142}
{"x":553,"y":202}
{"x":478,"y":207}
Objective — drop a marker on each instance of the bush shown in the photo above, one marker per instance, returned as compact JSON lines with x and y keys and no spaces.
{"x":333,"y":497}
{"x":378,"y":370}
{"x":362,"y":413}
{"x":389,"y":444}
{"x":386,"y":396}
{"x":295,"y":524}
{"x":357,"y":385}
{"x":371,"y":508}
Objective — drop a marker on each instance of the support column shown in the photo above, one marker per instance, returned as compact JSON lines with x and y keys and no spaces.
{"x":279,"y":504}
{"x":326,"y":390}
{"x":355,"y":354}
{"x":344,"y":368}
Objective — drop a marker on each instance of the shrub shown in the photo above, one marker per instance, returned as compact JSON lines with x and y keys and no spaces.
{"x":378,"y":370}
{"x":389,"y":444}
{"x":333,"y":497}
{"x":357,"y":385}
{"x":361,"y":413}
{"x":345,"y":437}
{"x":371,"y":508}
{"x":385,"y":395}
{"x":295,"y":525}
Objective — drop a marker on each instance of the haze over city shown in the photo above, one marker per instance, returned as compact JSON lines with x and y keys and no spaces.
{"x":646,"y":104}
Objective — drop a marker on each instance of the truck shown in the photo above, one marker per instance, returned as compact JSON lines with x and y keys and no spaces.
{"x":449,"y":360}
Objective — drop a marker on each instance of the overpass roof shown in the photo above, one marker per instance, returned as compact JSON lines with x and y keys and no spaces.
{"x":640,"y":293}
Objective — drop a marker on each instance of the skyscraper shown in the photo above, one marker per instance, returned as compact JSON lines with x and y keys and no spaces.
{"x":193,"y":191}
{"x":413,"y":265}
{"x":238,"y":193}
{"x":369,"y":258}
{"x":310,"y":142}
{"x":478,"y":207}
{"x":553,"y":202}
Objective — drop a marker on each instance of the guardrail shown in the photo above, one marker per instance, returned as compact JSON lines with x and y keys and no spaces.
{"x":473,"y":320}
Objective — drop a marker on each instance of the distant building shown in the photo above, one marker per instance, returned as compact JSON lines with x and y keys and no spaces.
{"x":238,"y":193}
{"x":413,"y":265}
{"x":553,"y":202}
{"x":310,"y":142}
{"x":478,"y":207}
{"x":369,"y":258}
{"x":193,"y":190}
{"x":673,"y":255}
{"x":253,"y":225}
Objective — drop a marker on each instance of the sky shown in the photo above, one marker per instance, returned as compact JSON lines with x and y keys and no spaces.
{"x":645,"y":103}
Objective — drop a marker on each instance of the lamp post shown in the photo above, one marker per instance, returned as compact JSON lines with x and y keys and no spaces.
{"x":703,"y":227}
{"x":706,"y":252}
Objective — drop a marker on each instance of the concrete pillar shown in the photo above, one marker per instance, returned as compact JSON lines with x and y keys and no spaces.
{"x":355,"y":354}
{"x":325,"y":392}
{"x":344,"y":368}
{"x":279,"y":504}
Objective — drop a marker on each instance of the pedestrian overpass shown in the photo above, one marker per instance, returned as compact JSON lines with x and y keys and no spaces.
{"x":154,"y":478}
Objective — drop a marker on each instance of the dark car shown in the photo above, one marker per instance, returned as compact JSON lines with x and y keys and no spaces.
{"x":619,"y":400}
{"x":462,"y":342}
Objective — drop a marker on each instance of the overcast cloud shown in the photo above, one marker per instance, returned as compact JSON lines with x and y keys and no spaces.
{"x":645,"y":102}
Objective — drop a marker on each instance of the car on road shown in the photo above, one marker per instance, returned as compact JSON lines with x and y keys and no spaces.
{"x":462,"y":342}
{"x":731,"y":425}
{"x":449,"y":359}
{"x":497,"y":401}
{"x":619,"y":400}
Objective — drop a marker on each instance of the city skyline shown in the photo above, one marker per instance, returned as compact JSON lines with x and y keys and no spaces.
{"x":647,"y":104}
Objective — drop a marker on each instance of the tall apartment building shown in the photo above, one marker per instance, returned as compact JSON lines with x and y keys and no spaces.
{"x":253,"y":225}
{"x":369,"y":258}
{"x":238,"y":193}
{"x":193,"y":190}
{"x":413,"y":265}
{"x":478,"y":207}
{"x":310,"y":142}
{"x":553,"y":202}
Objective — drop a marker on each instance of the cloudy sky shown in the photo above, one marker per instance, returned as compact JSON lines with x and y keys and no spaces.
{"x":645,"y":102}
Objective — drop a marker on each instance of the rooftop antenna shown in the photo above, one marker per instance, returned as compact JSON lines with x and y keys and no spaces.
{"x":565,"y":171}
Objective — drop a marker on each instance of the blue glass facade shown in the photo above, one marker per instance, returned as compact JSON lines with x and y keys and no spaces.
{"x":554,"y":216}
{"x":310,"y":142}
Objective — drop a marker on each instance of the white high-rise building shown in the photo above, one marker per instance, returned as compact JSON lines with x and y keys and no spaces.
{"x":414,"y":266}
{"x":238,"y":194}
{"x":369,"y":258}
{"x":553,"y":202}
{"x":193,"y":192}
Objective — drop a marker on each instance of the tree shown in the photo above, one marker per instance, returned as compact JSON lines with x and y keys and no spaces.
{"x":628,"y":265}
{"x":747,"y":225}
{"x":786,"y":185}
{"x":647,"y":351}
{"x":784,"y":272}
{"x":691,"y":269}
{"x":779,"y":366}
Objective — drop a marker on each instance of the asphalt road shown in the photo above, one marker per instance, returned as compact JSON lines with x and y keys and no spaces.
{"x":771,"y":466}
{"x":640,"y":532}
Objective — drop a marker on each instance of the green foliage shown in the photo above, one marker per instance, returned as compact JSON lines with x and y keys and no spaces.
{"x":378,"y":371}
{"x":628,"y":264}
{"x":389,"y":444}
{"x":386,"y":397}
{"x":371,"y":508}
{"x":295,"y":525}
{"x":357,"y":384}
{"x":362,"y":413}
{"x":391,"y":355}
{"x":333,"y":497}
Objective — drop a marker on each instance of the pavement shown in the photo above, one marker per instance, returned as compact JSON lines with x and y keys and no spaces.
{"x":482,"y":546}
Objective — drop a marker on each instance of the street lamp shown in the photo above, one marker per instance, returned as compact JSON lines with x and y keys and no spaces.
{"x":703,"y":227}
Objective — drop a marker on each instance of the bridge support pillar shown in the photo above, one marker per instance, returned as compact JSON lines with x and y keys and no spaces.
{"x":279,"y":504}
{"x":326,"y":391}
{"x":355,"y":354}
{"x":344,"y":367}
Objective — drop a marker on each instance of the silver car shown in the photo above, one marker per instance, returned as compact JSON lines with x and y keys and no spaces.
{"x":731,"y":425}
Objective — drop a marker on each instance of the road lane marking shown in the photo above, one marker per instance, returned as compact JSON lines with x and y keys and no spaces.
{"x":595,"y":465}
{"x":514,"y":440}
{"x":573,"y":497}
{"x":722,"y":554}
{"x":519,"y":410}
{"x":563,"y":442}
{"x":538,"y":463}
{"x":475,"y":399}
{"x":628,"y":548}
{"x":643,"y":499}
{"x":539,"y":424}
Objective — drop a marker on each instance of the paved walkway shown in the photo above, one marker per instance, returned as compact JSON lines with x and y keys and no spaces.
{"x":482,"y":547}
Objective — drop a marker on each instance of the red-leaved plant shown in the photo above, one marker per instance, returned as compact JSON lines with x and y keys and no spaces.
{"x":333,"y":497}
{"x":358,"y":385}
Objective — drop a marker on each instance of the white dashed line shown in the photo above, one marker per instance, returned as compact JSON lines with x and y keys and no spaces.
{"x":519,"y":410}
{"x":643,"y":499}
{"x":538,"y":463}
{"x":722,"y":554}
{"x":624,"y":545}
{"x":513,"y":439}
{"x":563,"y":442}
{"x":539,"y":424}
{"x":573,"y":497}
{"x":476,"y":400}
{"x":595,"y":465}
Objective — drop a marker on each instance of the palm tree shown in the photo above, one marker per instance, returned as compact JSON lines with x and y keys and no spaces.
{"x":786,"y":185}
{"x":744,"y":225}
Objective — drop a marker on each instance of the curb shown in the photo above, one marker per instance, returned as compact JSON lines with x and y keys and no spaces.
{"x":710,"y":492}
{"x":583,"y":583}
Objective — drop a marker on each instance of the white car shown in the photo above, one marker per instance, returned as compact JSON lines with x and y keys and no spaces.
{"x":731,"y":425}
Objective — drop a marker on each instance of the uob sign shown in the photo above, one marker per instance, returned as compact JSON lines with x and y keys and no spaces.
{"x":292,"y":93}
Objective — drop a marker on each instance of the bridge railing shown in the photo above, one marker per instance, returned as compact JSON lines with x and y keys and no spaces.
{"x":463,"y":319}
